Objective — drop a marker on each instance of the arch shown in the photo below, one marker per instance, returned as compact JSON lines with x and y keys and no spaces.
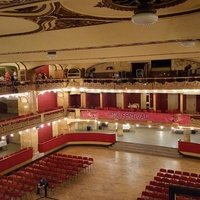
{"x":73,"y":72}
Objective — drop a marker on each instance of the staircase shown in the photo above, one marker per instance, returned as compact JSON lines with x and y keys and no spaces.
{"x":146,"y":149}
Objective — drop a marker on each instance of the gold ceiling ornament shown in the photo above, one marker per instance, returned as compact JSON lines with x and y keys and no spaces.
{"x":130,"y":5}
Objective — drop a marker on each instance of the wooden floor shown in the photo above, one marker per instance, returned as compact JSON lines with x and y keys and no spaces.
{"x":117,"y":175}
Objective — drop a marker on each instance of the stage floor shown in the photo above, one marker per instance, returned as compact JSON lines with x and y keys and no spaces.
{"x":155,"y":136}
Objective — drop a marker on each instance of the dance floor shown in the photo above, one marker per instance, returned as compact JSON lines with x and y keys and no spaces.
{"x":117,"y":175}
{"x":156,"y":136}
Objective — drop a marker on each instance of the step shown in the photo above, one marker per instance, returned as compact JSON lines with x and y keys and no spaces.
{"x":146,"y":149}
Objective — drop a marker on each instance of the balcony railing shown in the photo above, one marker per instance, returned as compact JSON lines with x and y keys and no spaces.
{"x":27,"y":121}
{"x":54,"y":114}
{"x":102,"y":83}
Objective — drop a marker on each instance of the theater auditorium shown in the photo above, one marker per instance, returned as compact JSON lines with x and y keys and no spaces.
{"x":100,"y":98}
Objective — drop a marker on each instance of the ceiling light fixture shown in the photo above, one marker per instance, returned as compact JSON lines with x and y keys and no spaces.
{"x":144,"y":14}
{"x":145,"y":18}
{"x":188,"y":43}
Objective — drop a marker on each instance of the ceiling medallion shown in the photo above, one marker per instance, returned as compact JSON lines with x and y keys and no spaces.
{"x":130,"y":5}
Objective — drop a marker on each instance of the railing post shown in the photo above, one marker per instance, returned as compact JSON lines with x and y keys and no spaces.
{"x":42,"y":118}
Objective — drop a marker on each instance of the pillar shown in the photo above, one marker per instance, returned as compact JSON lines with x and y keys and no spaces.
{"x":29,"y":138}
{"x":119,"y":130}
{"x":60,"y":98}
{"x":154,"y":101}
{"x":143,"y":101}
{"x":120,"y":100}
{"x":187,"y":135}
{"x":55,"y":128}
{"x":83,"y":100}
{"x":76,"y":126}
{"x":181,"y":103}
{"x":101,"y":100}
{"x":66,"y":100}
{"x":96,"y":125}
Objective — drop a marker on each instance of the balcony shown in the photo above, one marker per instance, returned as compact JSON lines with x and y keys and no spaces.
{"x":163,"y":83}
{"x":166,"y":83}
{"x":19,"y":123}
{"x":53,"y":115}
{"x":31,"y":120}
{"x":50,"y":84}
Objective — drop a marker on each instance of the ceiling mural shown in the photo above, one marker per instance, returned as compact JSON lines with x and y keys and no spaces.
{"x":11,"y":3}
{"x":53,"y":16}
{"x":130,"y":5}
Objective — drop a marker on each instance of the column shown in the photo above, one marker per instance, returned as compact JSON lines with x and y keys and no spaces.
{"x":55,"y":128}
{"x":95,"y":125}
{"x":83,"y":100}
{"x":119,"y":129}
{"x":66,"y":100}
{"x":60,"y":98}
{"x":101,"y":100}
{"x":120,"y":100}
{"x":154,"y":101}
{"x":143,"y":100}
{"x":187,"y":135}
{"x":29,"y":138}
{"x":181,"y":103}
{"x":76,"y":126}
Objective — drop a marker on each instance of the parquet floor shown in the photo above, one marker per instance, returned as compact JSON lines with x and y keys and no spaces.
{"x":117,"y":175}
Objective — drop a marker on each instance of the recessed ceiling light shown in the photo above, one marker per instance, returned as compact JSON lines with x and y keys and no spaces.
{"x":189,"y":43}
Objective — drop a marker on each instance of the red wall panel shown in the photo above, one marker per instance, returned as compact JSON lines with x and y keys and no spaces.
{"x":162,"y":102}
{"x":131,"y":98}
{"x":47,"y":101}
{"x":75,"y":100}
{"x":92,"y":100}
{"x":109,"y":100}
{"x":198,"y":103}
{"x":45,"y":133}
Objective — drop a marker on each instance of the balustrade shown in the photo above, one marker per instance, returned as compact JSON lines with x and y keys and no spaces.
{"x":96,"y":83}
{"x":53,"y":115}
{"x":27,"y":121}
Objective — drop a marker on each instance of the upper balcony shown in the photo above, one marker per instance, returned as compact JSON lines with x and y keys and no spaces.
{"x":164,"y":83}
{"x":22,"y":122}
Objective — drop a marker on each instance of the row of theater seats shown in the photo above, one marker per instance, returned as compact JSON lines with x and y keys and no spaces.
{"x":158,"y":189}
{"x":56,"y":168}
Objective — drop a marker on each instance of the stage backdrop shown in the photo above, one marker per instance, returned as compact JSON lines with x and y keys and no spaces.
{"x":137,"y":116}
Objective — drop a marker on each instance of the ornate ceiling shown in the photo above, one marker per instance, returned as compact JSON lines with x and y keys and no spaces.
{"x":85,"y":31}
{"x":130,"y":5}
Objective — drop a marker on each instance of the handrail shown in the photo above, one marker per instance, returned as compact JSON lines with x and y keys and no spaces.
{"x":144,"y":79}
{"x":16,"y":158}
{"x":22,"y":122}
{"x":70,"y":138}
